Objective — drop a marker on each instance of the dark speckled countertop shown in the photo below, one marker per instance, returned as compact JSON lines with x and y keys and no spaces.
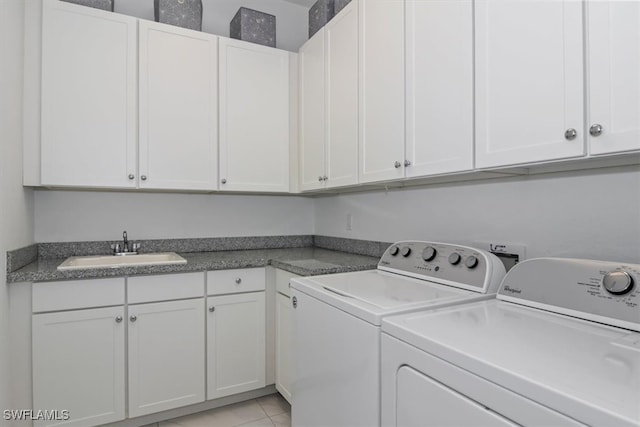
{"x":305,"y":261}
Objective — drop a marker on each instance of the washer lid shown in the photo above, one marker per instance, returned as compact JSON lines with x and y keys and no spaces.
{"x":374,"y":293}
{"x":585,"y":370}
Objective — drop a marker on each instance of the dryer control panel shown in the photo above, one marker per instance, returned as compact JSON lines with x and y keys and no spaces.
{"x":445,"y":263}
{"x":602,"y":291}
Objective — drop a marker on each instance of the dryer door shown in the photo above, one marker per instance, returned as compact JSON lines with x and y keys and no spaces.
{"x":445,"y":407}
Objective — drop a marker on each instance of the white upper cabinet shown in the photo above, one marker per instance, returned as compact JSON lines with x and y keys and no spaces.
{"x":329,"y":103}
{"x":381,"y":91}
{"x":529,"y":81}
{"x":89,"y":93}
{"x":439,"y":76}
{"x":254,"y":117}
{"x":613,"y":40}
{"x":178,"y":108}
{"x":312,"y":106}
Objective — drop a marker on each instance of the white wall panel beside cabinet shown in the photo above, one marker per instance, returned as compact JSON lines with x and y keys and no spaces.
{"x":529,"y":81}
{"x":439,"y":95}
{"x":312,"y":106}
{"x":166,"y":355}
{"x":178,"y":108}
{"x":382,"y":88}
{"x":79,"y":365}
{"x":89,"y":93}
{"x":613,"y":40}
{"x":254,"y":117}
{"x":235,"y":344}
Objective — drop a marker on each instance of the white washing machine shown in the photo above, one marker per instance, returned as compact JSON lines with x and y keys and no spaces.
{"x":559,"y":346}
{"x":336,"y":324}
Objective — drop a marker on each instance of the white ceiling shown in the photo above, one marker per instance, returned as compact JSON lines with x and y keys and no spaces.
{"x":305,"y":3}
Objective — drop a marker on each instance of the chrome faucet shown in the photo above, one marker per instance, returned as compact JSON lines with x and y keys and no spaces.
{"x":124,"y":249}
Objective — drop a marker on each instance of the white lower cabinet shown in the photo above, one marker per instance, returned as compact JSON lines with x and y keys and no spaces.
{"x":235,"y":344}
{"x":166,"y":355}
{"x":79,"y":365}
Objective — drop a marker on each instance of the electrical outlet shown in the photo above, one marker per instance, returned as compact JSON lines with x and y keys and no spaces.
{"x":509,"y":253}
{"x":349,"y":221}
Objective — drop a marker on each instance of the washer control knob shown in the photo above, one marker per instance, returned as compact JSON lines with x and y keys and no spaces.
{"x":471,"y":261}
{"x":429,"y":253}
{"x":617,"y":282}
{"x":406,"y":251}
{"x":454,"y":258}
{"x":394,"y":250}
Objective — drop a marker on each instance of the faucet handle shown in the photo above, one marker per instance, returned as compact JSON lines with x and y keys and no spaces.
{"x":135,"y":247}
{"x":116,"y":248}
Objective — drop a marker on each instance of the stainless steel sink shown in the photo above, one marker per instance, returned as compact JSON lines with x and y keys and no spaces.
{"x":111,"y":261}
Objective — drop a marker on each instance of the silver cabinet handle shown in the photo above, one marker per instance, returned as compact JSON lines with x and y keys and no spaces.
{"x":570,"y":134}
{"x":407,"y":163}
{"x":223,"y":180}
{"x":294,"y":302}
{"x":131,"y":176}
{"x":397,"y":164}
{"x":320,"y":178}
{"x":212,"y":309}
{"x":238,"y":280}
{"x":596,"y":130}
{"x":133,"y":318}
{"x":143,"y":177}
{"x":324,"y":178}
{"x":118,"y":319}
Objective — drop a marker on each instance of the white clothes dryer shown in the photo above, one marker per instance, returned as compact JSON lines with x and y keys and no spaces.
{"x":336,"y":324}
{"x":559,"y":346}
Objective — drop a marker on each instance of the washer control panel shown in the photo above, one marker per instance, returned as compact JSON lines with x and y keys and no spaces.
{"x":445,"y":263}
{"x":601,"y":291}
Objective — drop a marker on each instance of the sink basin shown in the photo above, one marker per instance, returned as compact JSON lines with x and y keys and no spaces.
{"x":112,"y":261}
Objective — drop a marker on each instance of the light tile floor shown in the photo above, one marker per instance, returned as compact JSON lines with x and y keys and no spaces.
{"x":267,"y":411}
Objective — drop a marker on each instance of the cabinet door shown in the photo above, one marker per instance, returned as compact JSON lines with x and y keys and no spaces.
{"x":78,"y":365}
{"x":439,"y":75}
{"x":178,"y":108}
{"x":312,"y":106}
{"x":284,"y":362}
{"x":529,"y":81}
{"x":89,"y":92}
{"x":381,"y":149}
{"x":166,"y":355}
{"x":236,"y":328}
{"x":254,"y":117}
{"x":341,"y":35}
{"x":614,"y":75}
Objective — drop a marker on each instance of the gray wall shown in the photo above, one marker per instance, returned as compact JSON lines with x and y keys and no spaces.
{"x":593,"y":214}
{"x":16,"y":203}
{"x":291,"y":19}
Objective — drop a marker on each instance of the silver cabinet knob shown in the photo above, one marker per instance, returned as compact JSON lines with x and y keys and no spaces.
{"x":143,"y":177}
{"x":212,"y":309}
{"x":596,"y":130}
{"x":324,"y":178}
{"x":570,"y":134}
{"x":133,"y":318}
{"x":397,"y":164}
{"x":118,"y":319}
{"x":294,"y":302}
{"x":320,"y":178}
{"x":131,"y":176}
{"x":238,"y":280}
{"x":407,"y":163}
{"x":223,"y":180}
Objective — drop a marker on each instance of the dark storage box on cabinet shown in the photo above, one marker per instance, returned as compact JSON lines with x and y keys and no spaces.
{"x":181,"y":13}
{"x":319,"y":14}
{"x":339,"y":5}
{"x":253,"y":26}
{"x":97,"y":4}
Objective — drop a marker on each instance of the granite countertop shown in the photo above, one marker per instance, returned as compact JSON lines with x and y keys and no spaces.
{"x":305,"y":261}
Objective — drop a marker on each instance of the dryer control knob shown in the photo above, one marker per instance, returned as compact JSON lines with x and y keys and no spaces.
{"x":617,"y":282}
{"x":429,"y":253}
{"x":394,"y":250}
{"x":406,"y":251}
{"x":471,"y":261}
{"x":454,"y":258}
